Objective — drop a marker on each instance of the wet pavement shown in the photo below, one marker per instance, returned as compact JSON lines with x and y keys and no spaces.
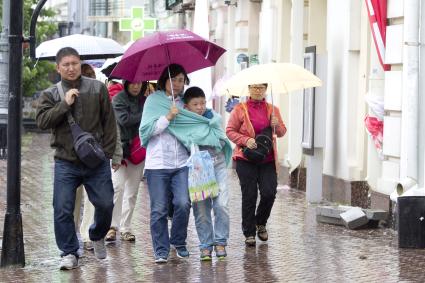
{"x":298,"y":250}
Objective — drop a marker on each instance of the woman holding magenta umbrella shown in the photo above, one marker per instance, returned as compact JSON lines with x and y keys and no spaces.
{"x":167,"y":57}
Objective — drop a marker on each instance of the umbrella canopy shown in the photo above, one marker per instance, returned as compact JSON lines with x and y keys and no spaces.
{"x":89,"y":47}
{"x":110,"y":64}
{"x":280,"y":77}
{"x":147,"y":57}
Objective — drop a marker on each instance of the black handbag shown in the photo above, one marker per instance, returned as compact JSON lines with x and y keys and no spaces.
{"x":264,"y":146}
{"x":87,"y":148}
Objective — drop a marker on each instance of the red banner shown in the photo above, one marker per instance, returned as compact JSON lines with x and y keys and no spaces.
{"x":377,"y":10}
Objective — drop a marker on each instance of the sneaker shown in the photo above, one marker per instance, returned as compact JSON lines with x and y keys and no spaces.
{"x":205,"y":255}
{"x":262,"y":233}
{"x":161,"y":259}
{"x":182,"y":252}
{"x":88,"y":246}
{"x":220,"y":251}
{"x":250,"y":241}
{"x":68,"y":262}
{"x":111,"y":236}
{"x":99,"y":248}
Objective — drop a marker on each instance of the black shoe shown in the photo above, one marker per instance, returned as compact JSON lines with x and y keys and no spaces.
{"x":262,"y":233}
{"x":250,"y":241}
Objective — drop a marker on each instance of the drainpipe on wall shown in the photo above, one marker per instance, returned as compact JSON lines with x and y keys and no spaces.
{"x":410,"y":98}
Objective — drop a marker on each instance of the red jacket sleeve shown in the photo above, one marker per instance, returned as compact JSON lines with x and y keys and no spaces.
{"x":234,"y":126}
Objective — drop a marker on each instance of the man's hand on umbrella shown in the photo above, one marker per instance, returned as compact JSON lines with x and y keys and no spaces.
{"x":251,"y":143}
{"x":70,"y":96}
{"x":173,"y":112}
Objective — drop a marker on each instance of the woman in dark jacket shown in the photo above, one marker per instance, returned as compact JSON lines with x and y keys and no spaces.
{"x":128,"y":107}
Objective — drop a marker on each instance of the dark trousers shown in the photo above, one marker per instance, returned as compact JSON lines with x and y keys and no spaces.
{"x":254,"y":177}
{"x":98,"y":185}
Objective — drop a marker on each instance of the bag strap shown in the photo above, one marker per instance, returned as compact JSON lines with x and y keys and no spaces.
{"x":244,"y":106}
{"x":71,"y":119}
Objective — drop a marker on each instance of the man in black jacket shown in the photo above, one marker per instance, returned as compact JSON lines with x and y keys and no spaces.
{"x":88,"y":101}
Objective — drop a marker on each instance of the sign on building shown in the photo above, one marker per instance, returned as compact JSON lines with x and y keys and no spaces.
{"x":138,"y":24}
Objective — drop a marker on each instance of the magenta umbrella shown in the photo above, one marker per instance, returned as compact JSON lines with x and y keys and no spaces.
{"x":146,"y":58}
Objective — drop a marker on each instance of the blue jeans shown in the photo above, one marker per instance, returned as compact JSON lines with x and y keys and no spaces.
{"x":160,"y":183}
{"x":98,"y":185}
{"x":208,"y":235}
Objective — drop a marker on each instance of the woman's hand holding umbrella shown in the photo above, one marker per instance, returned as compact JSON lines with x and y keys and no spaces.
{"x":274,"y":121}
{"x":173,"y":112}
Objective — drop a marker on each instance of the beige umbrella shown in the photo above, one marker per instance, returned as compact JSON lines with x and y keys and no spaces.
{"x":280,"y":77}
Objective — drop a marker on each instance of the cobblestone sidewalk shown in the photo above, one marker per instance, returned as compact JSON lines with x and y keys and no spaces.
{"x":299,"y":249}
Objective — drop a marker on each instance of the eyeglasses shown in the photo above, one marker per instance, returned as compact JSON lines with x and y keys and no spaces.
{"x":257,"y":88}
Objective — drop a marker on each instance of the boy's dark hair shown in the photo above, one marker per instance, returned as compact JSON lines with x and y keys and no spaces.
{"x":175,"y":69}
{"x":191,"y":93}
{"x":66,"y":51}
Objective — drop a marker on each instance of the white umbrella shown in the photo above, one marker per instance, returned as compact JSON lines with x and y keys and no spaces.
{"x":110,"y":64}
{"x":89,"y":47}
{"x":280,"y":77}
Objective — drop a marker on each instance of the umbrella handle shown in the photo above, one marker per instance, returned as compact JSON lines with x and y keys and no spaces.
{"x":271,"y":93}
{"x":171,"y":82}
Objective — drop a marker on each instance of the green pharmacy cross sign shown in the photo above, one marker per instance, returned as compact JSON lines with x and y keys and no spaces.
{"x":137,"y":24}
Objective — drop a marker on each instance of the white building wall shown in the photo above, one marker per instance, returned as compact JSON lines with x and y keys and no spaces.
{"x":393,"y":90}
{"x":295,"y":119}
{"x":60,"y":7}
{"x":421,"y":129}
{"x":346,"y":87}
{"x":337,"y":41}
{"x":78,"y":15}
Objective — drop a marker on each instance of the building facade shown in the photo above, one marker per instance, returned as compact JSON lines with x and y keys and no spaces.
{"x":352,"y":169}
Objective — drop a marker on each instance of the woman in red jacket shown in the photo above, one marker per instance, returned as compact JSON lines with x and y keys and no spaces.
{"x":247,"y":120}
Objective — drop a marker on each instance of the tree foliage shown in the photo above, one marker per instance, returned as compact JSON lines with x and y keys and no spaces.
{"x":36,"y":74}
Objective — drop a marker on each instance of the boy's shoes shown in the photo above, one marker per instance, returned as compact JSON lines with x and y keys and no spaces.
{"x":68,"y":262}
{"x":205,"y":255}
{"x":88,"y":246}
{"x":182,"y":252}
{"x":220,"y":251}
{"x":161,"y":259}
{"x":250,"y":241}
{"x":128,"y":236}
{"x":111,"y":236}
{"x":262,"y":233}
{"x":99,"y":248}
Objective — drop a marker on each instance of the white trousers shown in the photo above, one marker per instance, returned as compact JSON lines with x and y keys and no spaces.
{"x":88,"y":215}
{"x":126,"y":181}
{"x":77,"y":207}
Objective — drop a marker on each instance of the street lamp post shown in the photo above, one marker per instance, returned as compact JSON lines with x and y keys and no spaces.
{"x":13,"y":245}
{"x":4,"y":79}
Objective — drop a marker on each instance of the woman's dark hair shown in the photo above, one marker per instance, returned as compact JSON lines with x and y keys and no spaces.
{"x":88,"y":71}
{"x":193,"y":92}
{"x":142,"y":90}
{"x":175,"y":69}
